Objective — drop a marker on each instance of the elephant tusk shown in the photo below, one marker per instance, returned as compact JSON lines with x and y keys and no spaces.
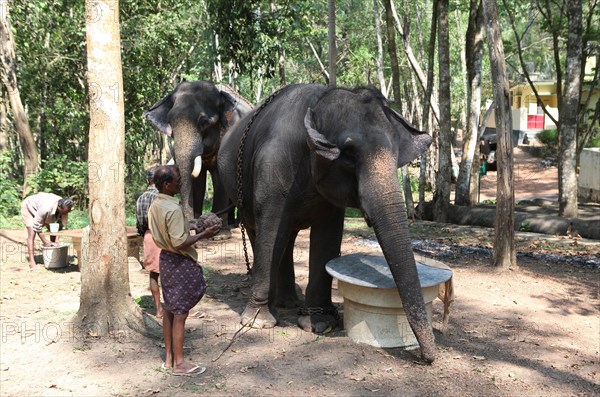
{"x":197,"y":166}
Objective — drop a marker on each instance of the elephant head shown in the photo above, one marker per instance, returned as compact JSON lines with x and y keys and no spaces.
{"x":356,"y":144}
{"x":197,"y":115}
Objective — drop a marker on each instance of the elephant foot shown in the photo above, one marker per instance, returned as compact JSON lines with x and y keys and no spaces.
{"x":224,"y":234}
{"x":258,"y":317}
{"x":320,"y":320}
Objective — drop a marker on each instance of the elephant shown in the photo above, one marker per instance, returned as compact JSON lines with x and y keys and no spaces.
{"x":307,"y":153}
{"x":197,"y":115}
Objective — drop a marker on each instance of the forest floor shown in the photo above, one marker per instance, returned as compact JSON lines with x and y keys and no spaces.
{"x":534,"y":330}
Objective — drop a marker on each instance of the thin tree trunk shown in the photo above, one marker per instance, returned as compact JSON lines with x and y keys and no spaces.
{"x":568,"y":115}
{"x":332,"y":45}
{"x":442,"y":187}
{"x":323,"y":68}
{"x":106,"y":306}
{"x":427,"y":170}
{"x":8,"y":71}
{"x":414,"y":64}
{"x":410,"y":204}
{"x":504,"y":244}
{"x":3,"y":121}
{"x":475,"y":168}
{"x":379,"y":59}
{"x":391,"y":39}
{"x":474,"y":56}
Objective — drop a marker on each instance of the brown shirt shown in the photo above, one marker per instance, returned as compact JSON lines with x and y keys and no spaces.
{"x":42,"y":208}
{"x":168,"y":225}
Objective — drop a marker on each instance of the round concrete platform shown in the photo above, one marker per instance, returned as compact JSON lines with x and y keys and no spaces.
{"x":373,"y":312}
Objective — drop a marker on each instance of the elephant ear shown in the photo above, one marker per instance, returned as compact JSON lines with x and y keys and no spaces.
{"x":158,"y":113}
{"x":324,"y":150}
{"x":232,"y":106}
{"x":412,"y":142}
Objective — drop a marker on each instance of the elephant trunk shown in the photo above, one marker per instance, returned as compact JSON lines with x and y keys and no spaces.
{"x":383,"y":202}
{"x":187,"y":149}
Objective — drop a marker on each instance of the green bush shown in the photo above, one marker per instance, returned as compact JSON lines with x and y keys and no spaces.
{"x":63,"y":177}
{"x":549,"y":138}
{"x":10,"y":189}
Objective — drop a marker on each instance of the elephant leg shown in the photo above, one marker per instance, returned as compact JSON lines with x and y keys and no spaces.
{"x":286,"y":278}
{"x":319,"y":315}
{"x":220,"y":203}
{"x":269,"y":248}
{"x":198,"y":192}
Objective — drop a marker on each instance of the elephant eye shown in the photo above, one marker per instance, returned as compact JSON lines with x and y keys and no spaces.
{"x":348,"y":157}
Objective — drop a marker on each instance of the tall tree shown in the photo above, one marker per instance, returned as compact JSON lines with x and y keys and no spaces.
{"x":8,"y":57}
{"x":504,"y":243}
{"x":474,"y":56}
{"x":332,"y":45}
{"x":106,"y":305}
{"x":391,"y":40}
{"x":428,"y":157}
{"x":568,"y":115}
{"x":442,"y":191}
{"x":379,"y":59}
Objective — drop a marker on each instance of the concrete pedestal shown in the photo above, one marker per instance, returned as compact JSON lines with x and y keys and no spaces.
{"x":373,"y":312}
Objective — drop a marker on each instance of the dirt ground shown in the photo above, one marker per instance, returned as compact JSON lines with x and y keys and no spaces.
{"x":531,"y":331}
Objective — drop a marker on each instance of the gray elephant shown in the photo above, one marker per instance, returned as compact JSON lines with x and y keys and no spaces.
{"x":197,"y":115}
{"x":310,"y":152}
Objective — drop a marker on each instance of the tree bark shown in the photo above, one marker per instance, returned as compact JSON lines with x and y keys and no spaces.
{"x":332,"y":45}
{"x":504,"y":245}
{"x":106,"y":306}
{"x":414,"y":64}
{"x":474,"y":56}
{"x":391,"y":36}
{"x":427,"y":170}
{"x":31,"y":159}
{"x":442,"y":187}
{"x":3,"y":121}
{"x":569,"y":116}
{"x":379,"y":58}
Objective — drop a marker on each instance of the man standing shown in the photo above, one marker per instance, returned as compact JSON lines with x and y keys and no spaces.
{"x":39,"y":210}
{"x":182,"y":278}
{"x":151,"y":250}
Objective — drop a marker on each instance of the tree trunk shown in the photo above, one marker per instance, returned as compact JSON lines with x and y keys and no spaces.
{"x":31,"y":160}
{"x":106,"y":306}
{"x":414,"y":64}
{"x":391,"y":36}
{"x":476,"y":166}
{"x":3,"y":121}
{"x":442,"y":186}
{"x":379,"y":58}
{"x":504,"y":245}
{"x":474,"y":56}
{"x":568,"y":115}
{"x":410,"y":205}
{"x":332,"y":46}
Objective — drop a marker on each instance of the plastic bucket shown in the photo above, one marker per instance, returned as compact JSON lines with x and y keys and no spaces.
{"x":55,"y":257}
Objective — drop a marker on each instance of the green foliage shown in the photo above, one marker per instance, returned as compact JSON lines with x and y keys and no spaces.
{"x":10,"y":188}
{"x":63,"y":177}
{"x":594,"y":142}
{"x":549,"y":138}
{"x":252,"y":34}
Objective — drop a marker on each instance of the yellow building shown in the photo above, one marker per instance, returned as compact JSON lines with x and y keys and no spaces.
{"x":528,"y":117}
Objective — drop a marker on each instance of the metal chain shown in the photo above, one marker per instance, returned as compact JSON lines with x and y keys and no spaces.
{"x":240,"y":159}
{"x":308,"y":311}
